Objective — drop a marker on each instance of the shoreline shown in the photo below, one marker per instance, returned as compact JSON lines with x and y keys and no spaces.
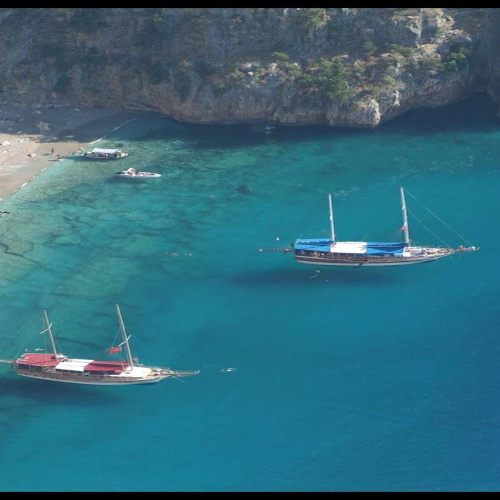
{"x":34,"y":139}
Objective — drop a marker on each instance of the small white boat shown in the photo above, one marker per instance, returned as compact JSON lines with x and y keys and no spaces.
{"x":136,"y":174}
{"x":103,"y":154}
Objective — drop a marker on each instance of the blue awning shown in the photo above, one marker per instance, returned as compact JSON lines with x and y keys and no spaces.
{"x":385,"y":244}
{"x":360,"y":248}
{"x":317,"y":245}
{"x":383,"y":248}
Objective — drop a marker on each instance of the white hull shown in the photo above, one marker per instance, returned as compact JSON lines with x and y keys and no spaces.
{"x":102,"y":154}
{"x":331,"y":252}
{"x":149,"y":175}
{"x":88,"y":380}
{"x":95,"y":158}
{"x":400,"y":262}
{"x":57,"y":367}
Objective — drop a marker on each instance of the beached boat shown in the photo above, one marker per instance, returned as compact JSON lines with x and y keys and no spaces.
{"x":57,"y":367}
{"x":136,"y":174}
{"x":102,"y":154}
{"x":330,"y":252}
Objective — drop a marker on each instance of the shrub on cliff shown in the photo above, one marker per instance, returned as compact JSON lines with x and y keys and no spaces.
{"x":312,"y":17}
{"x":369,"y":48}
{"x":280,"y":57}
{"x":328,"y":78}
{"x":400,"y":49}
{"x":457,"y":59}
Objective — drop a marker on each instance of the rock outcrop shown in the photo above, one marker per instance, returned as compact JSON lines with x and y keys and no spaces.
{"x":290,"y":66}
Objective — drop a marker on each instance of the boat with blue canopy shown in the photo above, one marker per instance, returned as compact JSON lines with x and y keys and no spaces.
{"x":331,"y":252}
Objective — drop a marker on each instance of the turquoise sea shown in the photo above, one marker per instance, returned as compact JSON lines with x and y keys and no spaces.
{"x":381,"y":379}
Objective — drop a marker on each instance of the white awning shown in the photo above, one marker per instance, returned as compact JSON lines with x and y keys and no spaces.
{"x":349,"y":247}
{"x":106,"y":151}
{"x":75,"y":365}
{"x":137,"y":371}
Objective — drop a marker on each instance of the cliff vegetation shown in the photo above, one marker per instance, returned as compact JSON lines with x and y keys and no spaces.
{"x":333,"y":66}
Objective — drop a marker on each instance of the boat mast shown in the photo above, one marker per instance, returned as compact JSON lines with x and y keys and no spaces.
{"x":125,"y":336}
{"x":48,"y":324}
{"x":405,"y":217}
{"x":332,"y":227}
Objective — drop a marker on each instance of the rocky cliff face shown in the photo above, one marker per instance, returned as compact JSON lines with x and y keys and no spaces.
{"x":335,"y":66}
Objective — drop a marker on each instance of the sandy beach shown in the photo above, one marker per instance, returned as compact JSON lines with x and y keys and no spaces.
{"x":32,"y":139}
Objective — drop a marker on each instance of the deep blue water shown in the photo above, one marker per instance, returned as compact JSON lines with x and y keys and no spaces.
{"x":382,"y":379}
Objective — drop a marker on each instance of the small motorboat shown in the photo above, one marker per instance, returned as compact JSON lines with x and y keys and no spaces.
{"x":4,"y":213}
{"x":136,"y":174}
{"x":102,"y":154}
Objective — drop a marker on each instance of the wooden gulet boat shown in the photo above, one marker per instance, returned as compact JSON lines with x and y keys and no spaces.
{"x":58,"y":367}
{"x":331,"y":252}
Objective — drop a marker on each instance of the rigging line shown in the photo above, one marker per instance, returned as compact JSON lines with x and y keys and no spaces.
{"x":425,"y":227}
{"x":9,"y":340}
{"x":31,"y":320}
{"x":180,"y":380}
{"x":440,"y":220}
{"x":105,"y":350}
{"x":117,"y":335}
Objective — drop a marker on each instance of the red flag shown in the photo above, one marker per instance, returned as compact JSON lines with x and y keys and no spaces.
{"x":115,"y":349}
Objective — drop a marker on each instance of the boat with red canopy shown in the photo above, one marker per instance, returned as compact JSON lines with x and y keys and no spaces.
{"x":58,"y":367}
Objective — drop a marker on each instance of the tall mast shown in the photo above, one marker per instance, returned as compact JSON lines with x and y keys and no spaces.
{"x":332,"y":227}
{"x":48,"y":324}
{"x":125,"y":336}
{"x":405,"y":216}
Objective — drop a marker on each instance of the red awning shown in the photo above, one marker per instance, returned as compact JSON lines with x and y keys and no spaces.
{"x":38,"y":359}
{"x":112,"y":367}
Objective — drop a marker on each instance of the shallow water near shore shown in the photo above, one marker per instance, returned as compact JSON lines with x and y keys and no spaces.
{"x":378,"y":379}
